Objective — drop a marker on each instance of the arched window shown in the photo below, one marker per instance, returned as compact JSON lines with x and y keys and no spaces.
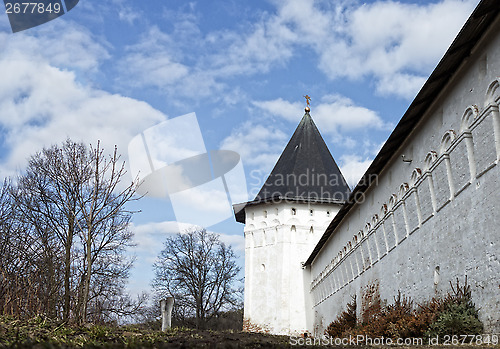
{"x":493,"y":93}
{"x":430,"y":158}
{"x":468,"y":118}
{"x":447,"y":140}
{"x":415,"y":175}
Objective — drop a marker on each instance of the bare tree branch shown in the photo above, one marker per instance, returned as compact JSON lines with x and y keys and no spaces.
{"x":199,"y":271}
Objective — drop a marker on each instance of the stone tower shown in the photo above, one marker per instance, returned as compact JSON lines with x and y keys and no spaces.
{"x":282,"y":226}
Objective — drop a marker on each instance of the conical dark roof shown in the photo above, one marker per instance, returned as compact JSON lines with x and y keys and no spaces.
{"x":305,"y":170}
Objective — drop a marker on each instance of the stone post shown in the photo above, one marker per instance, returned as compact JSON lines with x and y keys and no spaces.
{"x":166,"y":306}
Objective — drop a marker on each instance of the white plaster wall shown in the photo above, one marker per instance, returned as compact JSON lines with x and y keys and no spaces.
{"x":439,"y":210}
{"x":279,"y":237}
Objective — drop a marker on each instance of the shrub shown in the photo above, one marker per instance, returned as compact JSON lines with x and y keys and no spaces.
{"x":392,"y":320}
{"x":458,"y":314}
{"x":450,"y":315}
{"x":344,"y":322}
{"x":457,"y":319}
{"x":371,"y":304}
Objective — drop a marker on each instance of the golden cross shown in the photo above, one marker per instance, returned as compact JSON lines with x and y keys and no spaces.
{"x":307,"y":99}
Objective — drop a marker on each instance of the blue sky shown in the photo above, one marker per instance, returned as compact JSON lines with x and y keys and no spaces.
{"x":108,"y":70}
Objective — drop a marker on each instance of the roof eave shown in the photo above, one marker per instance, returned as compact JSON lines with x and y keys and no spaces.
{"x":239,"y":209}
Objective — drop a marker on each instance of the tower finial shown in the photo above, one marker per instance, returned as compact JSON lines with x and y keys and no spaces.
{"x":308,"y":99}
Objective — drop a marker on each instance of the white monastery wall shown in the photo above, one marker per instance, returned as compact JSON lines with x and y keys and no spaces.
{"x":279,"y":237}
{"x":434,"y":219}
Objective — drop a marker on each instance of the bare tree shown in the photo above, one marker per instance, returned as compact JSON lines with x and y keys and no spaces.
{"x":200,"y":272}
{"x":71,"y":230}
{"x":11,"y":245}
{"x":47,"y":196}
{"x":29,"y":278}
{"x":105,"y":220}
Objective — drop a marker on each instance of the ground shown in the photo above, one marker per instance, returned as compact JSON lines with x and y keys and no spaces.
{"x":42,"y":333}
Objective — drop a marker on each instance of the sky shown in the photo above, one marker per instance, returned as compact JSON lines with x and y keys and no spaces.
{"x":111,"y":70}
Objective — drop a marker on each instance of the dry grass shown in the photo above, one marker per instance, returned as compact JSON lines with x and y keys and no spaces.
{"x":40,"y":332}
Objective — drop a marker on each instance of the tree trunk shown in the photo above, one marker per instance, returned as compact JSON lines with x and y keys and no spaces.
{"x":51,"y":304}
{"x":88,"y":275}
{"x":67,"y":276}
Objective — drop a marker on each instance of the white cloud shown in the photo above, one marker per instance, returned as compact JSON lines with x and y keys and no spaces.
{"x":353,"y":167}
{"x":309,"y":22}
{"x":259,"y":146}
{"x":127,"y":13}
{"x":333,"y":114}
{"x":280,"y":107}
{"x":41,"y":105}
{"x":150,"y":238}
{"x":393,"y":42}
{"x":191,"y":64}
{"x":386,"y":41}
{"x":59,"y":43}
{"x":267,"y":44}
{"x":404,"y":85}
{"x":162,"y":228}
{"x":150,"y":62}
{"x":237,"y":243}
{"x":156,"y":61}
{"x":204,"y":205}
{"x":341,"y":113}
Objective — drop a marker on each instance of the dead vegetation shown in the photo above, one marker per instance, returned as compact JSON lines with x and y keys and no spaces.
{"x":453,"y":314}
{"x":41,"y":332}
